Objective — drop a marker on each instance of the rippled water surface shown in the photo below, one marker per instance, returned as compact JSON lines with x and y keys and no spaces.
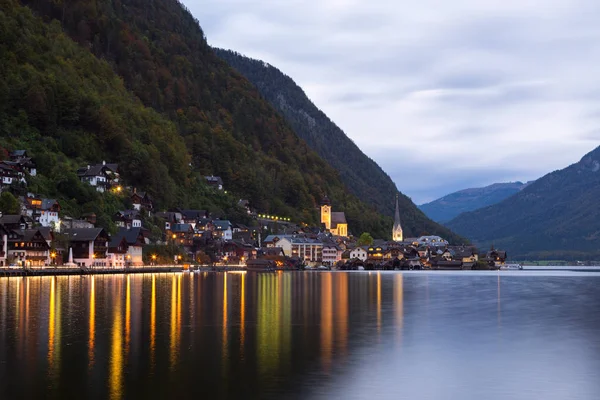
{"x":507,"y":335}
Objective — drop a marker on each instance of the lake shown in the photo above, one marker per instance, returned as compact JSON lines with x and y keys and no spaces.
{"x":302,"y":335}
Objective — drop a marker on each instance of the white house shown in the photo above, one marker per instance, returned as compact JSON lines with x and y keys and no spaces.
{"x":223,"y":229}
{"x":331,"y":254}
{"x":360,"y":253}
{"x":49,"y":214}
{"x":310,"y":250}
{"x":101,"y":176}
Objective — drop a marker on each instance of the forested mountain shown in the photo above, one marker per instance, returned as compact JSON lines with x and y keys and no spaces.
{"x":137,"y":84}
{"x":555,"y":217}
{"x":450,"y":206}
{"x":361,"y":174}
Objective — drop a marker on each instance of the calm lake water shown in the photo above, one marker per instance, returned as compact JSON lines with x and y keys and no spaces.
{"x":388,"y":335}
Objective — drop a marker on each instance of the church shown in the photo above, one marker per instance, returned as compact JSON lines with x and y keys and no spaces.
{"x":335,"y":222}
{"x":397,"y":233}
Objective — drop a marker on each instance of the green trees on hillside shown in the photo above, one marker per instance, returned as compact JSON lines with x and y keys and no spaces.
{"x":362,"y":176}
{"x":9,"y":203}
{"x":139,"y":85}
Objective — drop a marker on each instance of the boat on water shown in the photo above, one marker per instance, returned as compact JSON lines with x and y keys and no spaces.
{"x":511,"y":266}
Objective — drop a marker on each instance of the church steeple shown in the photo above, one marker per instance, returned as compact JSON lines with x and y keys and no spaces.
{"x":397,"y":234}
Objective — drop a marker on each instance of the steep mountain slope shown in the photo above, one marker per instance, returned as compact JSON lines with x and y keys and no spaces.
{"x":451,"y":205}
{"x":555,"y":217}
{"x":175,"y":106}
{"x":67,"y":108}
{"x":361,"y":174}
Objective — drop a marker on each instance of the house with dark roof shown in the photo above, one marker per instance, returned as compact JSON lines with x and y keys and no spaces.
{"x":193,"y":216}
{"x":11,"y":222}
{"x":182,"y":234}
{"x":128,"y":219}
{"x":28,"y":248}
{"x":9,"y":174}
{"x":23,"y":162}
{"x":141,"y":200}
{"x":101,"y":176}
{"x":214,"y":182}
{"x":125,"y":248}
{"x":89,"y":245}
{"x":223,"y":229}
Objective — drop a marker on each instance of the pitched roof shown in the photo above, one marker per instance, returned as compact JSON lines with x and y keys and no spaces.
{"x":131,"y":236}
{"x":194,"y":214}
{"x":83,"y":234}
{"x":338,"y":218}
{"x":214,"y":180}
{"x":48,"y":203}
{"x":18,"y":153}
{"x":11,"y":219}
{"x":181,"y":228}
{"x":222,"y":224}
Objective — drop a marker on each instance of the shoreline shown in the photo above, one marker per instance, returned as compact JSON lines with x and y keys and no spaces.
{"x":65,"y":271}
{"x":60,"y":271}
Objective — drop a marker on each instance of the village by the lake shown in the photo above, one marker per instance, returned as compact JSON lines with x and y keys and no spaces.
{"x":42,"y":238}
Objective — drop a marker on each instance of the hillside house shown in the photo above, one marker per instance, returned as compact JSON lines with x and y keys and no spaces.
{"x":223,"y":229}
{"x":214,"y":181}
{"x":141,"y":200}
{"x":101,"y":176}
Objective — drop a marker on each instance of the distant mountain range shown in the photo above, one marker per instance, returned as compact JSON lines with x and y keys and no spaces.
{"x":358,"y":172}
{"x":555,"y":217}
{"x":450,"y":206}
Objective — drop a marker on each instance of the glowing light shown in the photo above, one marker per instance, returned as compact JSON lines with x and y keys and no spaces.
{"x":116,"y":359}
{"x":153,"y":321}
{"x":92,"y":319}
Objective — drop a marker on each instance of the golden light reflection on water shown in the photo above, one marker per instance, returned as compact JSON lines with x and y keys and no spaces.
{"x":54,"y":328}
{"x":127,"y":315}
{"x":175,"y":320}
{"x":116,"y":354}
{"x":268,"y":329}
{"x":326,"y":321}
{"x":399,"y":305}
{"x":153,"y":322}
{"x":92,"y":323}
{"x":342,"y":312}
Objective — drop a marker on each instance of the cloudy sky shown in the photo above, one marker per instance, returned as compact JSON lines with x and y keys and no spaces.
{"x":444,"y":95}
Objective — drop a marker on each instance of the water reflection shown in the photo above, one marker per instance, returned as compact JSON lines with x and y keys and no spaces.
{"x":116,"y":353}
{"x":153,"y":323}
{"x":326,"y":321}
{"x":92,"y":322}
{"x":275,"y":335}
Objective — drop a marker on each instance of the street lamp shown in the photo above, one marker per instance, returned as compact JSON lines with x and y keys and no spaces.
{"x":53,"y":256}
{"x":153,"y":259}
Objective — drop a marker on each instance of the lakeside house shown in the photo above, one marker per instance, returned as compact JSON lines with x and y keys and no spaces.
{"x":89,"y":246}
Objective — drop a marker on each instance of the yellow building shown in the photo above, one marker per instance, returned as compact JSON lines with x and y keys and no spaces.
{"x":335,"y":222}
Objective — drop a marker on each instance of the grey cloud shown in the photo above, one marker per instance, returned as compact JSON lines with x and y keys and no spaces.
{"x":438,"y":83}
